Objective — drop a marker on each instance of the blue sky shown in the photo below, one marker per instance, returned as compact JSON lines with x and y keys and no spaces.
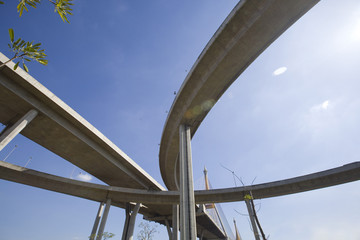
{"x":118,"y":63}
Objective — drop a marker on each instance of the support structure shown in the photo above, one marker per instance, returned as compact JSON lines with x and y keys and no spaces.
{"x":127,"y":220}
{"x":251,"y":215}
{"x":168,"y":228}
{"x":187,"y":199}
{"x":129,"y":226}
{"x":9,"y":133}
{"x":237,"y":234}
{"x":103,"y":220}
{"x":175,"y":222}
{"x":97,"y":220}
{"x":212,"y":205}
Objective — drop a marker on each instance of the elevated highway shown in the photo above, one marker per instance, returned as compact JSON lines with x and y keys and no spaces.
{"x":248,"y":30}
{"x":152,"y":199}
{"x":58,"y":128}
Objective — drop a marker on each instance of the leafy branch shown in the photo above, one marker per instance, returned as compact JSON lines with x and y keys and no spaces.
{"x":62,"y":7}
{"x":25,"y":51}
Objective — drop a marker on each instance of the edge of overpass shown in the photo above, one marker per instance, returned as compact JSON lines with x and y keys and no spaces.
{"x":248,"y":30}
{"x":119,"y":195}
{"x":26,"y":93}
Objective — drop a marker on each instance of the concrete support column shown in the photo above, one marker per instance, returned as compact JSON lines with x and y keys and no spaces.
{"x":132,"y":222}
{"x":187,"y":199}
{"x":127,"y":220}
{"x":129,"y":225}
{"x":9,"y":133}
{"x":103,"y":220}
{"x":97,"y":220}
{"x":252,"y":218}
{"x":175,"y":222}
{"x":168,"y":228}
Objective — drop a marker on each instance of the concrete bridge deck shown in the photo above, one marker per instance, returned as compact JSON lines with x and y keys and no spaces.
{"x":61,"y":130}
{"x":157,"y":205}
{"x":248,"y":30}
{"x":152,"y":199}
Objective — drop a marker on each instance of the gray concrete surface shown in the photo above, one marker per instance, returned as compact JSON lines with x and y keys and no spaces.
{"x":10,"y":132}
{"x":61,"y":130}
{"x":152,"y":199}
{"x":187,"y":199}
{"x":158,"y":205}
{"x":248,"y":30}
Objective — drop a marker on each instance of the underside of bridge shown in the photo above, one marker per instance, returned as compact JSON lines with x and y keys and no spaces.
{"x":27,"y":107}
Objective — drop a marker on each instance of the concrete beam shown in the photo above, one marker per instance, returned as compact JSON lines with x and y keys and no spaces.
{"x":96,"y":192}
{"x":129,"y":225}
{"x":134,"y":213}
{"x":104,"y":219}
{"x":252,"y":219}
{"x":168,"y":228}
{"x":97,"y":221}
{"x":248,"y":30}
{"x":187,"y":199}
{"x":127,"y":220}
{"x":175,"y":222}
{"x":64,"y":132}
{"x":9,"y":133}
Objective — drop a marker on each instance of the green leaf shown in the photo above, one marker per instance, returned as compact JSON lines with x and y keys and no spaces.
{"x":17,"y":41}
{"x":25,"y":67}
{"x":1,"y":2}
{"x":11,"y":33}
{"x":43,"y":61}
{"x":16,"y":65}
{"x":22,"y":43}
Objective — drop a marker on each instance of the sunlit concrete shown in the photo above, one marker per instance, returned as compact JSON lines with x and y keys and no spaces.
{"x":104,"y":219}
{"x":153,"y":205}
{"x":61,"y":130}
{"x":248,"y":30}
{"x":10,"y":132}
{"x":152,"y":199}
{"x":187,"y":199}
{"x":158,"y":205}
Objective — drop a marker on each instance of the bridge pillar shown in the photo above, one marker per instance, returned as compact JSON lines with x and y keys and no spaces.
{"x":104,"y":219}
{"x":9,"y":133}
{"x":97,"y":220}
{"x":187,"y":199}
{"x":175,"y":222}
{"x":252,"y":218}
{"x":168,"y":228}
{"x":129,"y":225}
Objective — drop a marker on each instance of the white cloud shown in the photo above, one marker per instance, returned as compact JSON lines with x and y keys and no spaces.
{"x":84,"y":177}
{"x":280,"y":71}
{"x":321,"y":107}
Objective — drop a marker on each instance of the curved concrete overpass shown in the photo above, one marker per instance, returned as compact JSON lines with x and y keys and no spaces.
{"x":248,"y":30}
{"x":60,"y":129}
{"x":152,"y":200}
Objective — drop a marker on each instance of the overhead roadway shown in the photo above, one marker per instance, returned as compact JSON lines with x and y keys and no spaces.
{"x":248,"y":30}
{"x":96,"y":192}
{"x":157,"y":205}
{"x":61,"y":130}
